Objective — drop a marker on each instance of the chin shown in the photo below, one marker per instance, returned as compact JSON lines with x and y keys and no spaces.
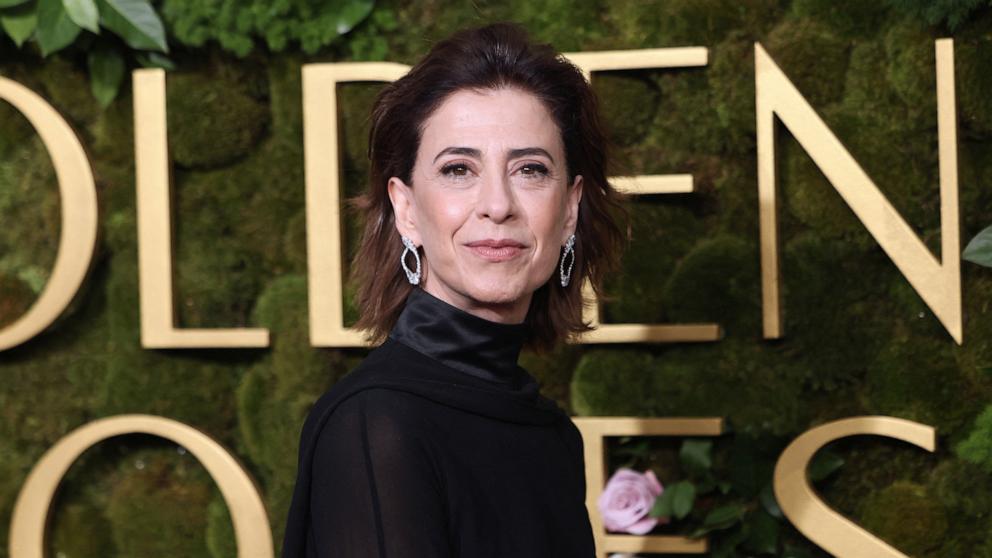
{"x":496,"y":294}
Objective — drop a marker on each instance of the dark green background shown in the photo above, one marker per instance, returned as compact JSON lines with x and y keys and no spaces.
{"x":859,"y":340}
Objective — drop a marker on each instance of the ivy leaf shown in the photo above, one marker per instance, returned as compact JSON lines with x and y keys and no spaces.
{"x":719,"y":518}
{"x":683,"y":497}
{"x":12,"y":3}
{"x":795,"y":552}
{"x":979,"y":250}
{"x":83,"y":13}
{"x":106,"y":65}
{"x":824,"y":463}
{"x":676,"y":500}
{"x":135,"y":21}
{"x":56,"y":30}
{"x":350,"y":14}
{"x":763,"y":534}
{"x":154,"y":60}
{"x":695,"y":455}
{"x":20,"y":22}
{"x":768,"y":501}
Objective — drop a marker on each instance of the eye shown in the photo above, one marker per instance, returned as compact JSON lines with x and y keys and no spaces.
{"x":534,"y":169}
{"x":456,"y":170}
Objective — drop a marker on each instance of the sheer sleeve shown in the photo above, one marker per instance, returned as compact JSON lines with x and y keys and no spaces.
{"x":375,"y":490}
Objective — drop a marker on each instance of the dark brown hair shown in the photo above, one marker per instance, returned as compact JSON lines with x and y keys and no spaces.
{"x":494,"y":56}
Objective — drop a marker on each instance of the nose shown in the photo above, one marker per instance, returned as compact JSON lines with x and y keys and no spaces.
{"x":496,"y":200}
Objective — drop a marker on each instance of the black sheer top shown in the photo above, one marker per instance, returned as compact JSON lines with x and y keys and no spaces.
{"x":439,"y":445}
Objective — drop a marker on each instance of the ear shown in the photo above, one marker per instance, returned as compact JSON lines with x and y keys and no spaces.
{"x":404,"y":205}
{"x":572,"y":199}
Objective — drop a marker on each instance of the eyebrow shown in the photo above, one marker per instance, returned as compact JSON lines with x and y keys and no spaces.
{"x":514,"y":153}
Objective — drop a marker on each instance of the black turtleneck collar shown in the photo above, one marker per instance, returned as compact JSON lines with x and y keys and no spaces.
{"x":461,"y":340}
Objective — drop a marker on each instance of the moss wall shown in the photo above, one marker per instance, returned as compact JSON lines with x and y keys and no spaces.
{"x":859,"y":340}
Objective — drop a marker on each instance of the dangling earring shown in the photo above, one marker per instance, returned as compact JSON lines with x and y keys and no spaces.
{"x":569,"y":249}
{"x":412,"y":276}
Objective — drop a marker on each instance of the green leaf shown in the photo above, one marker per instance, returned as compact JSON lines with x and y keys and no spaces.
{"x":55,"y":29}
{"x":154,"y":60}
{"x":768,"y":501}
{"x":695,"y":455}
{"x":824,"y":463}
{"x":763,"y":533}
{"x":720,"y":518}
{"x":724,"y":515}
{"x":979,"y":250}
{"x":20,"y":22}
{"x":135,"y":21}
{"x":683,"y":497}
{"x":12,"y":3}
{"x":350,"y":14}
{"x":106,"y":66}
{"x":83,"y":13}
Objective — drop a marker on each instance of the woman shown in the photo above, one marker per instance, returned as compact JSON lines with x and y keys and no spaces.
{"x":488,"y":208}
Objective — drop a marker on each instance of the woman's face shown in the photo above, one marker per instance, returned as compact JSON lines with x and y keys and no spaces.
{"x":489,"y":202}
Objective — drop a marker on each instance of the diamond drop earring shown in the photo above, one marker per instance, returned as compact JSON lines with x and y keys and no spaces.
{"x":412,"y":276}
{"x":569,"y":249}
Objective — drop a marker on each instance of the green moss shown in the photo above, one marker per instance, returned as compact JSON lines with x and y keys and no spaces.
{"x":812,"y":56}
{"x":977,"y":447}
{"x":972,"y":60}
{"x":67,"y":88}
{"x":704,"y":22}
{"x":553,"y":371}
{"x":912,"y":66}
{"x":662,"y":232}
{"x":915,"y":377}
{"x":15,"y":298}
{"x":906,"y":516}
{"x":161,"y":494}
{"x":354,"y":108}
{"x":628,"y":104}
{"x":848,"y":18}
{"x":725,"y":379}
{"x":717,"y":282}
{"x":220,"y":530}
{"x":963,"y":487}
{"x":277,"y":392}
{"x":212,"y":121}
{"x":731,"y":78}
{"x":614,"y":382}
{"x":834,"y":323}
{"x":80,"y":530}
{"x":29,"y":191}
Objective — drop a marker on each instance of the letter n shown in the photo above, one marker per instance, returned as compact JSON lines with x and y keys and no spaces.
{"x":937,"y":282}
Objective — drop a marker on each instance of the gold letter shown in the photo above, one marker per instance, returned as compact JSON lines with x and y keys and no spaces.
{"x":828,"y":529}
{"x":320,"y":149}
{"x":251,"y":524}
{"x":593,"y":430}
{"x":681,"y":57}
{"x":77,"y":237}
{"x":938,"y":283}
{"x":151,"y":167}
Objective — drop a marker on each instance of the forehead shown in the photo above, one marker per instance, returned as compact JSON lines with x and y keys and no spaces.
{"x":490,"y":118}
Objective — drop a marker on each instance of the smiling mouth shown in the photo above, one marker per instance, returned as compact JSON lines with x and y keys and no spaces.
{"x":496,"y":254}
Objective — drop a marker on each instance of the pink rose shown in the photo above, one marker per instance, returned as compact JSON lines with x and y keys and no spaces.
{"x":627,"y":499}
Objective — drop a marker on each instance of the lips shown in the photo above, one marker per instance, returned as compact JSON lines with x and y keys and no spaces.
{"x":492,"y":243}
{"x":496,"y":250}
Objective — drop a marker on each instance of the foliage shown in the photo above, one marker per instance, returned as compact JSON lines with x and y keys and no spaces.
{"x":236,"y":25}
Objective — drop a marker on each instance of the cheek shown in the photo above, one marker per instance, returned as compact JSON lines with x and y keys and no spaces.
{"x":441,"y":216}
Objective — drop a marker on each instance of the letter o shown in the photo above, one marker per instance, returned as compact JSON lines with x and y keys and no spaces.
{"x":77,"y":237}
{"x":251,"y":524}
